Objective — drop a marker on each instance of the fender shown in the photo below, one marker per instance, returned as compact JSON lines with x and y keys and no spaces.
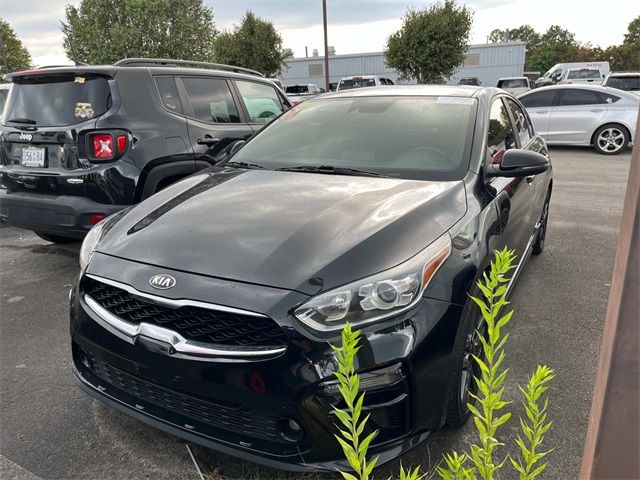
{"x":182,"y":168}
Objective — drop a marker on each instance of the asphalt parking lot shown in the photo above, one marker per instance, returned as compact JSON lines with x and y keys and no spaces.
{"x":50,"y":429}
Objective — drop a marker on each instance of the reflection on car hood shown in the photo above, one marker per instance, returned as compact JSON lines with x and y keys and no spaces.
{"x":298,"y":231}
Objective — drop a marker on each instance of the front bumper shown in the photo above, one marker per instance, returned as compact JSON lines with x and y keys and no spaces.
{"x":240,"y":407}
{"x":64,"y":215}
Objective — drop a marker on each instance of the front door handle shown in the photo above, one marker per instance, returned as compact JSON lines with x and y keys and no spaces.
{"x":596,"y":110}
{"x":542,"y":111}
{"x":530,"y":179}
{"x":207,"y":141}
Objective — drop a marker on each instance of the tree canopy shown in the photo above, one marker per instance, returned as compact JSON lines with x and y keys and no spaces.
{"x":254,"y":43}
{"x":13,"y":55}
{"x":558,"y":45}
{"x":103,"y":31}
{"x":431,"y":43}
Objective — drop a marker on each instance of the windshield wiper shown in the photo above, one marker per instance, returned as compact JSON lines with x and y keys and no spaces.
{"x":27,"y":121}
{"x":331,"y":170}
{"x":243,"y":164}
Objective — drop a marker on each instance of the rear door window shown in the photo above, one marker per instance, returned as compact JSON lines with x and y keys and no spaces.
{"x":539,"y":99}
{"x":262,"y":101}
{"x":579,"y":96}
{"x":3,"y":99}
{"x":583,"y":73}
{"x":169,"y":94}
{"x":211,"y":100}
{"x":60,"y":100}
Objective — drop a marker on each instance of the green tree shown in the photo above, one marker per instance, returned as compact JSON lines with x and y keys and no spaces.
{"x":13,"y":55}
{"x":496,"y":35}
{"x":632,"y":37}
{"x":254,"y":43}
{"x":103,"y":31}
{"x":556,"y":45}
{"x":431,"y":43}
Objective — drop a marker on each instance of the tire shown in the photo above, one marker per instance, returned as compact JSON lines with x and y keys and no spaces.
{"x":538,"y":246}
{"x":610,"y":139}
{"x":464,"y":367}
{"x":56,"y":238}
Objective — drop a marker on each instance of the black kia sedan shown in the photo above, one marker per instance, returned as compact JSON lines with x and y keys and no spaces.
{"x":208,"y":310}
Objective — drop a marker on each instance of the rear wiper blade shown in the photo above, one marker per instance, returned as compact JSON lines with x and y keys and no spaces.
{"x":244,"y":164}
{"x":27,"y":121}
{"x":329,"y":169}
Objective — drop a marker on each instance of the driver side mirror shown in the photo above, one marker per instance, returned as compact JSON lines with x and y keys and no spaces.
{"x":519,"y":163}
{"x":235,"y":146}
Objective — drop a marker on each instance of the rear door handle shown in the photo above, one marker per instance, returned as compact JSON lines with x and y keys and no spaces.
{"x":596,"y":110}
{"x":542,"y":111}
{"x":530,"y":179}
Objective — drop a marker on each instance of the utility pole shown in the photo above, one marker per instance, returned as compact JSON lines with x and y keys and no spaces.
{"x":326,"y":46}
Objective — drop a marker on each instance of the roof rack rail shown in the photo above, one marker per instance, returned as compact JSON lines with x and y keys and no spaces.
{"x":169,"y":62}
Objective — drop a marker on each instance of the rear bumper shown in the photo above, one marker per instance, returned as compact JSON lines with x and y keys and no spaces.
{"x":64,"y":215}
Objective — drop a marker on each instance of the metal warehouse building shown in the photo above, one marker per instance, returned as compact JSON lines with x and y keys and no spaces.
{"x":488,"y":62}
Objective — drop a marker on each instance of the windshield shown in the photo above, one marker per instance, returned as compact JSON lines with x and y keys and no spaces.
{"x":59,"y":100}
{"x":296,"y":89}
{"x":406,"y":137}
{"x":469,"y":81}
{"x":356,"y":83}
{"x":513,"y":83}
{"x":624,"y":83}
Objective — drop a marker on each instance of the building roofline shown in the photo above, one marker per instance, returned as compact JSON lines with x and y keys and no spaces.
{"x":375,"y":54}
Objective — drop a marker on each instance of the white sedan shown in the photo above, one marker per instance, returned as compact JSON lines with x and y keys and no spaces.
{"x":584,"y":115}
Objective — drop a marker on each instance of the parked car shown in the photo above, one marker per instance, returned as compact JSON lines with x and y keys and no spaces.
{"x":559,"y":73}
{"x":627,"y":81}
{"x":470,"y":81}
{"x":301,"y":92}
{"x":359,"y":81}
{"x":4,"y":91}
{"x":584,"y":115}
{"x":514,"y":85}
{"x":80,"y":143}
{"x":207,"y":310}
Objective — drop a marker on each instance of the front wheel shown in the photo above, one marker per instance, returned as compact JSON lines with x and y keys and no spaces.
{"x":610,"y":139}
{"x":465,"y":368}
{"x":56,"y":238}
{"x":538,"y":246}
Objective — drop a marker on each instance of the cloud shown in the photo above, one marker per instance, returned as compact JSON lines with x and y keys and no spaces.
{"x":354,"y":25}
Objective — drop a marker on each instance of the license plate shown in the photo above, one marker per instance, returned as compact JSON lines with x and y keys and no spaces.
{"x":33,"y":157}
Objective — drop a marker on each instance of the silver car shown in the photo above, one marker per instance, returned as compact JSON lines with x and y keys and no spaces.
{"x":584,"y":115}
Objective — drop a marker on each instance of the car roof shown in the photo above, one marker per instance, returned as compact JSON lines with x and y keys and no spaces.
{"x":351,"y":77}
{"x":513,"y":78}
{"x":595,"y":88}
{"x":416,"y":90}
{"x":111,"y":70}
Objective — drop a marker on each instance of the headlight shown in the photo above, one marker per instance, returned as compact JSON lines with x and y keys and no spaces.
{"x":90,"y":243}
{"x":377,"y":297}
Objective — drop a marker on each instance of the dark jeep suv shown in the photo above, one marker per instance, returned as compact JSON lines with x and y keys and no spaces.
{"x":79,"y":143}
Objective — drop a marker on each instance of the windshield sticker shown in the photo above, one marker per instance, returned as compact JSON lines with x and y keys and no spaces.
{"x":84,"y":110}
{"x":79,"y":80}
{"x":456,"y":100}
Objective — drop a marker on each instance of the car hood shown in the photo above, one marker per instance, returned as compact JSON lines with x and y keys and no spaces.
{"x":298,"y":231}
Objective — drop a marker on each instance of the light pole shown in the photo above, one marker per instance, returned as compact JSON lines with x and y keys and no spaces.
{"x":326,"y":45}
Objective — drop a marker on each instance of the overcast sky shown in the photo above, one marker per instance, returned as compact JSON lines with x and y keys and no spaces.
{"x":354,"y":25}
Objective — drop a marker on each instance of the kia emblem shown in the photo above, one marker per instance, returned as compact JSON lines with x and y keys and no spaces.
{"x":162,"y":281}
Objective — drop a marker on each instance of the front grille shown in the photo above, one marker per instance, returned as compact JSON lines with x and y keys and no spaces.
{"x":235,"y":418}
{"x":193,"y":323}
